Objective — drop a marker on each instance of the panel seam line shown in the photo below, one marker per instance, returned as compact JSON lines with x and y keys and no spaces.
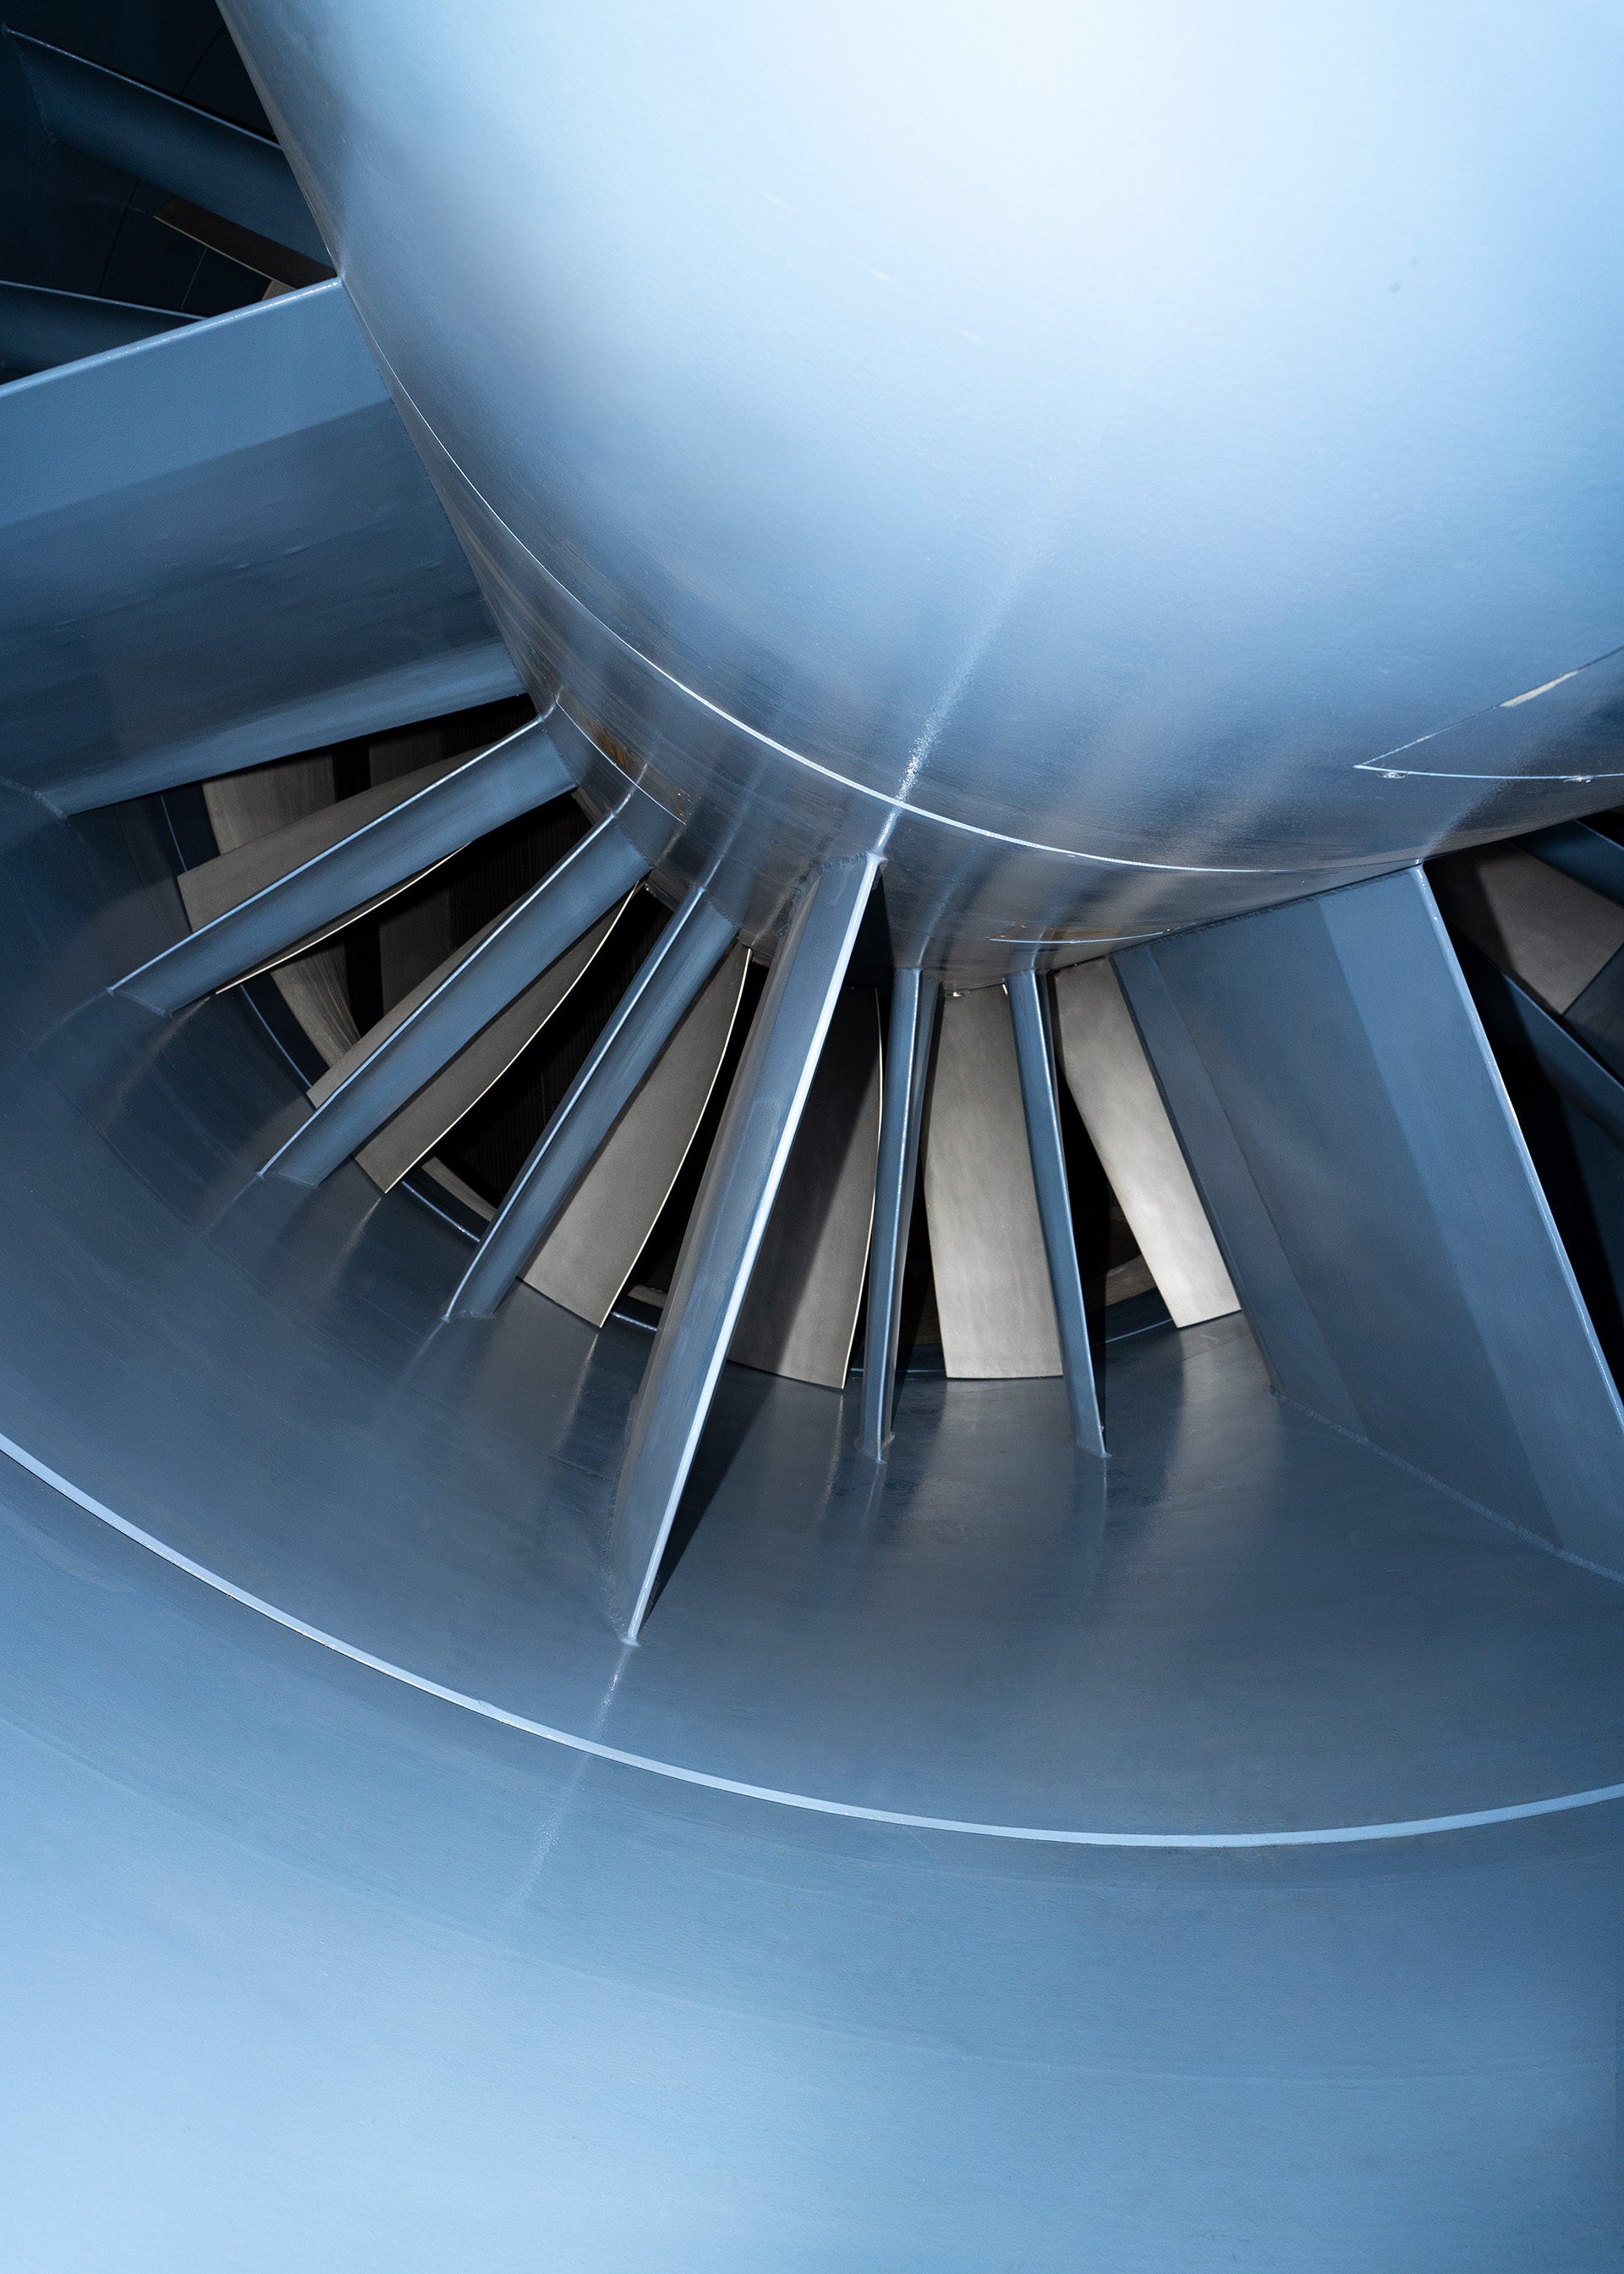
{"x":707,"y":1781}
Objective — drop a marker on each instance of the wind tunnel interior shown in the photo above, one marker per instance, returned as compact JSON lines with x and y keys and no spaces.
{"x":1205,"y":1854}
{"x":1240,"y":1623}
{"x":1538,"y":922}
{"x":318,"y":1002}
{"x":1532,"y":923}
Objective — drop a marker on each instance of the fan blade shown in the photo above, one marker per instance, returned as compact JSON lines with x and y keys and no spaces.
{"x":423,"y":1034}
{"x":242,"y":870}
{"x":1114,"y":1091}
{"x":987,"y":1253}
{"x":390,"y":849}
{"x":735,"y":1200}
{"x":593,"y":1245}
{"x":440,"y":1105}
{"x":669,"y":979}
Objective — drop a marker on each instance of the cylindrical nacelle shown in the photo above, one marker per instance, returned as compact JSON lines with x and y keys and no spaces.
{"x":1124,"y":459}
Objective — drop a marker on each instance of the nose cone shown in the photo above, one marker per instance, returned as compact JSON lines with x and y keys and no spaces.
{"x":1110,"y":428}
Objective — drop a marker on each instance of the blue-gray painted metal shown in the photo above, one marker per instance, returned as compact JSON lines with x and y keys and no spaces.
{"x":40,"y":328}
{"x":536,"y":931}
{"x":217,"y":548}
{"x":735,"y":1200}
{"x":907,"y":1066}
{"x":1511,"y":1017}
{"x":726,"y":428}
{"x":667,"y":982}
{"x":325,"y":1969}
{"x":1584,"y":854}
{"x":161,"y":140}
{"x":511,"y":777}
{"x":1035,"y":1054}
{"x":728,"y":435}
{"x":1596,"y":1015}
{"x":1343,"y":1115}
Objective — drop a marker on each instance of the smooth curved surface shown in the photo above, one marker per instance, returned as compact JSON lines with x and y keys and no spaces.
{"x":595,"y":1748}
{"x":283,"y":1911}
{"x":469,"y":2024}
{"x":1044,"y":425}
{"x":1119,"y":469}
{"x":1223,"y":1512}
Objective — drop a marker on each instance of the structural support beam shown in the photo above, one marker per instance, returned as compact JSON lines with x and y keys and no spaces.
{"x":246,"y":866}
{"x":39,"y":328}
{"x":1584,"y":854}
{"x":1380,"y":1214}
{"x":159,"y":138}
{"x":308,"y":587}
{"x":643,"y":1022}
{"x":907,"y":1064}
{"x":534,"y":933}
{"x":1034,"y":1054}
{"x":799,"y":1316}
{"x":1516,"y":1021}
{"x":735,"y":1200}
{"x":1548,"y":918}
{"x":522,"y":771}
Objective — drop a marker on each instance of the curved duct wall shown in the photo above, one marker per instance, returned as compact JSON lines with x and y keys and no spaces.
{"x":809,"y":1444}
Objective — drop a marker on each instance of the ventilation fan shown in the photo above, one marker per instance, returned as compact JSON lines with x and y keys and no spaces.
{"x":815,"y":1077}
